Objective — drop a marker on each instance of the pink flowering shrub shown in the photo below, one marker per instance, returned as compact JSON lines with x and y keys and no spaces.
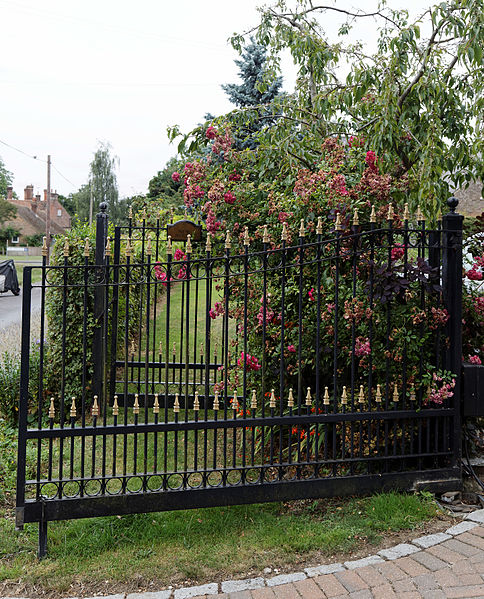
{"x":251,"y":362}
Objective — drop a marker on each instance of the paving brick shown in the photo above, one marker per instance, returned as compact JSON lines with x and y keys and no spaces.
{"x":232,"y":586}
{"x":237,"y":595}
{"x":401,"y":550}
{"x":330,"y":585}
{"x":365,"y":561}
{"x":411,"y":595}
{"x":403,"y":586}
{"x":371,"y":576}
{"x":471,"y":539}
{"x":425,"y":582}
{"x":462,"y":548}
{"x":286,"y":591}
{"x":324,"y":569}
{"x":433,"y":594}
{"x":429,"y":561}
{"x":364,"y":594}
{"x":465,"y":526}
{"x":410,"y":566}
{"x":463,"y":567}
{"x":285,"y":579}
{"x":477,"y":516}
{"x":465,"y":592}
{"x":264,"y":593}
{"x":447,"y":578}
{"x":308,"y":589}
{"x":351,"y":581}
{"x":477,"y":565}
{"x":431,"y":540}
{"x":384,"y":591}
{"x":204,"y":589}
{"x":446,"y":554}
{"x":391,"y":571}
{"x":149,"y":595}
{"x":479,"y":531}
{"x":470,"y":579}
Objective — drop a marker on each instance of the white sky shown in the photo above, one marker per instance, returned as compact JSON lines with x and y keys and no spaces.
{"x":73,"y":72}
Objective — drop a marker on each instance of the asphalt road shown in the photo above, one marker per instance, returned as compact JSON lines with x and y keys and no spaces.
{"x":11,"y":307}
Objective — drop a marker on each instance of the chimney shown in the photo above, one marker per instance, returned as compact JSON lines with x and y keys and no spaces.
{"x":9,"y":192}
{"x":34,"y":203}
{"x":29,"y":192}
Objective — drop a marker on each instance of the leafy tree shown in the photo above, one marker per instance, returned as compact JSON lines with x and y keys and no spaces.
{"x":7,"y":233}
{"x":6,"y":178}
{"x":68,"y":203}
{"x":103,"y":181}
{"x":7,"y":211}
{"x":163,"y":186}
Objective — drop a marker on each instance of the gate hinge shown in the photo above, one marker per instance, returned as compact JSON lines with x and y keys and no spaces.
{"x":19,"y":518}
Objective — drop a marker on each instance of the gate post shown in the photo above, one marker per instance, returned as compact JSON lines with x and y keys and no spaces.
{"x":452,"y":291}
{"x":98,"y":356}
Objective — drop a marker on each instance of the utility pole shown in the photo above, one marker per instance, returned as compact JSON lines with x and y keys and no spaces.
{"x":47,"y":210}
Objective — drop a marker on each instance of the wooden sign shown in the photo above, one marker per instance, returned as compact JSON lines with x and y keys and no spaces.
{"x":180,"y":230}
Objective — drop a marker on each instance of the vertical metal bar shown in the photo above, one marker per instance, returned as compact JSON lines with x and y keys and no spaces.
{"x":98,"y":345}
{"x":147,"y":357}
{"x":115,"y":310}
{"x":41,"y":368}
{"x":167,"y":347}
{"x":63,"y":373}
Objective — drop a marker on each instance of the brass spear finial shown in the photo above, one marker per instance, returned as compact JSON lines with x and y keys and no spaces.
{"x":208,"y":244}
{"x":188,"y":248}
{"x":302,"y":230}
{"x":115,"y":406}
{"x":87,"y":248}
{"x":326,"y":397}
{"x":176,"y":405}
{"x":149,"y":247}
{"x":309,"y":399}
{"x":172,"y":213}
{"x":246,"y":237}
{"x":202,"y":349}
{"x":406,"y":212}
{"x":235,"y":401}
{"x":284,"y":232}
{"x":420,"y":217}
{"x":196,"y":402}
{"x":378,"y":394}
{"x":216,"y":403}
{"x":169,"y":247}
{"x":390,"y":213}
{"x":66,"y":248}
{"x":107,"y":251}
{"x":45,"y":249}
{"x":156,"y":405}
{"x":319,"y":226}
{"x":129,"y":249}
{"x":290,"y":399}
{"x":73,"y":412}
{"x":395,"y":393}
{"x":95,"y":407}
{"x":265,"y":236}
{"x":338,"y":226}
{"x":130,"y":212}
{"x":356,"y":218}
{"x":228,"y":243}
{"x":174,"y":348}
{"x":51,"y":409}
{"x":160,"y":349}
{"x":413,"y":396}
{"x":344,"y":397}
{"x":361,"y":397}
{"x":133,"y":347}
{"x":143,"y":214}
{"x":253,"y":401}
{"x":373,"y":214}
{"x":136,"y":404}
{"x":272,"y":399}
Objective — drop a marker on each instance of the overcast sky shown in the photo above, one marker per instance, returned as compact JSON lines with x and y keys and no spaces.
{"x":75,"y":72}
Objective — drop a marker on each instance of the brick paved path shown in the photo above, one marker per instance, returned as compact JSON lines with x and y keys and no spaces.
{"x":451,"y":568}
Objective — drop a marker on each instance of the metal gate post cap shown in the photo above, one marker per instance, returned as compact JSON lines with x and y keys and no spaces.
{"x":95,"y":407}
{"x":169,"y":247}
{"x":302,"y":230}
{"x":103,"y":207}
{"x":378,"y":394}
{"x":188,"y":247}
{"x":319,"y":226}
{"x":356,"y":218}
{"x":107,"y":251}
{"x":160,"y":349}
{"x":344,"y":397}
{"x":66,"y":248}
{"x":406,"y":213}
{"x":246,"y":237}
{"x":452,"y":203}
{"x":373,"y":214}
{"x":149,"y":247}
{"x":73,"y":412}
{"x":228,"y":244}
{"x":338,"y":226}
{"x":44,"y":246}
{"x":196,"y":402}
{"x":395,"y":393}
{"x":216,"y":404}
{"x":133,"y":347}
{"x":136,"y":404}
{"x":272,"y":400}
{"x":290,"y":399}
{"x":176,"y":405}
{"x":87,"y":248}
{"x":309,"y":399}
{"x":253,"y":401}
{"x":361,"y":397}
{"x":51,"y":409}
{"x":284,"y":232}
{"x":326,"y":397}
{"x":156,"y":405}
{"x":419,"y":216}
{"x":390,"y":213}
{"x":130,"y":212}
{"x":129,"y":249}
{"x":208,"y":244}
{"x":115,"y":406}
{"x":265,"y":236}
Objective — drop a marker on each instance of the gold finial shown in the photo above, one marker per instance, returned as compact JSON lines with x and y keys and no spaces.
{"x":176,"y":405}
{"x":319,"y":226}
{"x":188,"y":247}
{"x":395,"y":393}
{"x":373,"y":214}
{"x":235,"y":401}
{"x":439,"y":216}
{"x":136,"y":404}
{"x":253,"y":401}
{"x":420,"y":217}
{"x":290,"y":399}
{"x":309,"y":399}
{"x":160,"y":349}
{"x":87,"y":248}
{"x":202,"y":349}
{"x":265,"y":236}
{"x":361,"y":397}
{"x":208,"y":244}
{"x":73,"y":412}
{"x":44,"y":246}
{"x":172,"y":213}
{"x":378,"y":394}
{"x":406,"y":212}
{"x":216,"y":348}
{"x":129,"y":249}
{"x":115,"y":406}
{"x":284,"y":232}
{"x":174,"y":348}
{"x":356,"y":218}
{"x":338,"y":226}
{"x":228,"y":243}
{"x":156,"y":405}
{"x":344,"y":397}
{"x":107,"y":251}
{"x":216,"y":404}
{"x":95,"y":407}
{"x":149,"y":247}
{"x":51,"y":409}
{"x":413,"y":396}
{"x":302,"y":230}
{"x":133,"y":347}
{"x":186,"y":213}
{"x":390,"y":213}
{"x":196,"y":402}
{"x":66,"y":249}
{"x":326,"y":397}
{"x":246,"y":237}
{"x":130,"y":213}
{"x":272,"y":400}
{"x":143,"y":214}
{"x":169,"y":247}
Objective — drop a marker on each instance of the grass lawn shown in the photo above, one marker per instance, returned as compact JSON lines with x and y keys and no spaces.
{"x":156,"y":550}
{"x":21,"y":261}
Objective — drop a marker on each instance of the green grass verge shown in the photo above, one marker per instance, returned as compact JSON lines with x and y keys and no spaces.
{"x":200,"y":545}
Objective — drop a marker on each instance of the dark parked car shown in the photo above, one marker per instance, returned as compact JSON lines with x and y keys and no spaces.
{"x":8,"y":277}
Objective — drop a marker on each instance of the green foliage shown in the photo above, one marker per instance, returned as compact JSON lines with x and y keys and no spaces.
{"x":7,"y":233}
{"x":7,"y":211}
{"x":6,"y":178}
{"x":10,"y":383}
{"x":34,"y":240}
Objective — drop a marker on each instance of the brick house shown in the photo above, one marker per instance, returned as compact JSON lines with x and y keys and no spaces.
{"x":471,"y":200}
{"x":31,"y":215}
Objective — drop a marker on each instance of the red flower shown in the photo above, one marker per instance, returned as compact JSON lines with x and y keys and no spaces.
{"x":234,"y":176}
{"x":229,"y":197}
{"x":397,"y":251}
{"x":473,"y":274}
{"x":475,"y":360}
{"x":371,"y":160}
{"x":211,"y":133}
{"x":175,"y":177}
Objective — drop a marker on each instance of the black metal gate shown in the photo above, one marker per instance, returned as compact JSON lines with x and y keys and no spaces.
{"x":255,"y":371}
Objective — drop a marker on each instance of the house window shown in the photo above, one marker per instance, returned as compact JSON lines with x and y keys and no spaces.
{"x":59,"y":212}
{"x":15,"y":239}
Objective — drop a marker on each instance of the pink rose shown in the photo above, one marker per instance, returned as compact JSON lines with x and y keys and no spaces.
{"x":291,"y":348}
{"x":175,"y":177}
